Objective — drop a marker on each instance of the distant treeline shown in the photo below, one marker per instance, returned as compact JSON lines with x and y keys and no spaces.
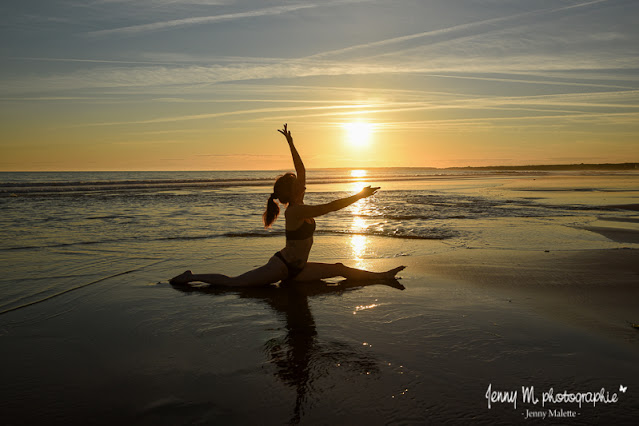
{"x":582,"y":166}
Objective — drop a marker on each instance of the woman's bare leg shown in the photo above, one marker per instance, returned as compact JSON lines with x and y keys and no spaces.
{"x":272,"y":272}
{"x":314,"y":271}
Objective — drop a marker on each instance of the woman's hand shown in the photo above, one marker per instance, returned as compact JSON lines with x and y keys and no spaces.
{"x":286,"y":133}
{"x":368,"y":191}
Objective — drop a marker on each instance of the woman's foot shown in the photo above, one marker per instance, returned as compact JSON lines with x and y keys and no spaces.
{"x":391,"y":274}
{"x":182,"y":279}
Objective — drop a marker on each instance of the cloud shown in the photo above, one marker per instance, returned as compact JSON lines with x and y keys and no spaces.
{"x":226,"y":114}
{"x":529,"y":81}
{"x":162,"y":25}
{"x":166,"y":2}
{"x":497,"y":111}
{"x":198,"y":20}
{"x":461,"y":29}
{"x":278,"y":156}
{"x":114,"y":77}
{"x":194,"y":76}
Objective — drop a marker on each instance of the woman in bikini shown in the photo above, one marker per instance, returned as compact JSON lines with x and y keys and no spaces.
{"x":291,"y":263}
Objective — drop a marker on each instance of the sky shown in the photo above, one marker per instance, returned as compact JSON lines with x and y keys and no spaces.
{"x":205,"y":84}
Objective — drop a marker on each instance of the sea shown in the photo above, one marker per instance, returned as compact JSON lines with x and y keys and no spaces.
{"x":63,"y":229}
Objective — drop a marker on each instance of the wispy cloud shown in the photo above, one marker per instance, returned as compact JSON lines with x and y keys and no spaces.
{"x":560,"y":121}
{"x":462,"y":28}
{"x":224,"y":114}
{"x":198,"y":20}
{"x":162,"y":25}
{"x":94,"y":61}
{"x":565,"y":109}
{"x":529,"y":81}
{"x":195,"y":75}
{"x":114,"y":77}
{"x":171,"y":70}
{"x":166,"y":2}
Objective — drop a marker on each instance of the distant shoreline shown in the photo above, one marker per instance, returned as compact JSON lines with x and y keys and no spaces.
{"x":552,"y":167}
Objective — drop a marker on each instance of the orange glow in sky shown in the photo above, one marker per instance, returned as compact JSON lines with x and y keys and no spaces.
{"x":204,"y":85}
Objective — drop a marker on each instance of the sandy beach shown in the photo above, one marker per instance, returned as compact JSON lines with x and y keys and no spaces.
{"x":132,"y":349}
{"x":508,"y":304}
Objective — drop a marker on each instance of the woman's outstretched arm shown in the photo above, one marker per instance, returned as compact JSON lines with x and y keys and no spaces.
{"x":303,"y":211}
{"x":300,"y":170}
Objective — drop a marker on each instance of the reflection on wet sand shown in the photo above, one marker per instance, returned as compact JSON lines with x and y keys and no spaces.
{"x":300,"y":357}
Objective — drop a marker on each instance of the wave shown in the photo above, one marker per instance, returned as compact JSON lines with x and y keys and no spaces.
{"x":59,"y":245}
{"x":252,"y":234}
{"x":412,"y":234}
{"x":434,"y":234}
{"x":73,"y":183}
{"x":74,"y":187}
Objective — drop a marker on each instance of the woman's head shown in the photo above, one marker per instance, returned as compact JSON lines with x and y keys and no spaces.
{"x":283,"y":191}
{"x":283,"y":187}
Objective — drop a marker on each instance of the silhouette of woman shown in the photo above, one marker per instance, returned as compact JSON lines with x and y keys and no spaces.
{"x":291,"y":263}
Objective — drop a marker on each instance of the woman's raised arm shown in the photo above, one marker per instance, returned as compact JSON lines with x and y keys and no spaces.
{"x":297,"y":160}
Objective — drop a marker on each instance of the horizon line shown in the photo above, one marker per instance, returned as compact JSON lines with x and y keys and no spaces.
{"x":521,"y":166}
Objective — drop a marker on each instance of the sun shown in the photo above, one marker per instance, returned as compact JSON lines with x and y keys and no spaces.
{"x":359,"y":133}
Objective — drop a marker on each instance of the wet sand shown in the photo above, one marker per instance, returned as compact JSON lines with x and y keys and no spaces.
{"x":592,"y":289}
{"x":132,"y":349}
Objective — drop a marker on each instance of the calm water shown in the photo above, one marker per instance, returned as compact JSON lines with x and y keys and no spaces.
{"x":62,"y":229}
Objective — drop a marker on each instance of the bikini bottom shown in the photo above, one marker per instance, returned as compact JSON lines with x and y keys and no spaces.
{"x":293,"y":271}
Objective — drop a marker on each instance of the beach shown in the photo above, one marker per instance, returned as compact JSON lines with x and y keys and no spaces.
{"x":515,"y":282}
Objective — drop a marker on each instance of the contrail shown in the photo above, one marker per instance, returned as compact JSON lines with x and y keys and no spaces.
{"x":269,"y":11}
{"x":447,"y":30}
{"x":155,"y":26}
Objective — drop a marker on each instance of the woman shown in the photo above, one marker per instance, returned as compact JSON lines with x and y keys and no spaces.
{"x":291,"y":263}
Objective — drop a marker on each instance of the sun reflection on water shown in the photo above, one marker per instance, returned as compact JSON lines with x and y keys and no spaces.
{"x":363,"y":308}
{"x":359,"y":177}
{"x":359,"y":242}
{"x":359,"y":173}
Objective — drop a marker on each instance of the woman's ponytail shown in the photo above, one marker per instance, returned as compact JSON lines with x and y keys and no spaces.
{"x":282,"y":190}
{"x":272,"y":211}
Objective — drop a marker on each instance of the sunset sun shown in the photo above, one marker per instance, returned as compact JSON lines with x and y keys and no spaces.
{"x":358,"y":134}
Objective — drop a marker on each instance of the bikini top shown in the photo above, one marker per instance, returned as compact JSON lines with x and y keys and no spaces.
{"x":303,"y":232}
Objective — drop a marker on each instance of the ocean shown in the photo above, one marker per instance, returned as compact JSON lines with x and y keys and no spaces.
{"x":62,"y":229}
